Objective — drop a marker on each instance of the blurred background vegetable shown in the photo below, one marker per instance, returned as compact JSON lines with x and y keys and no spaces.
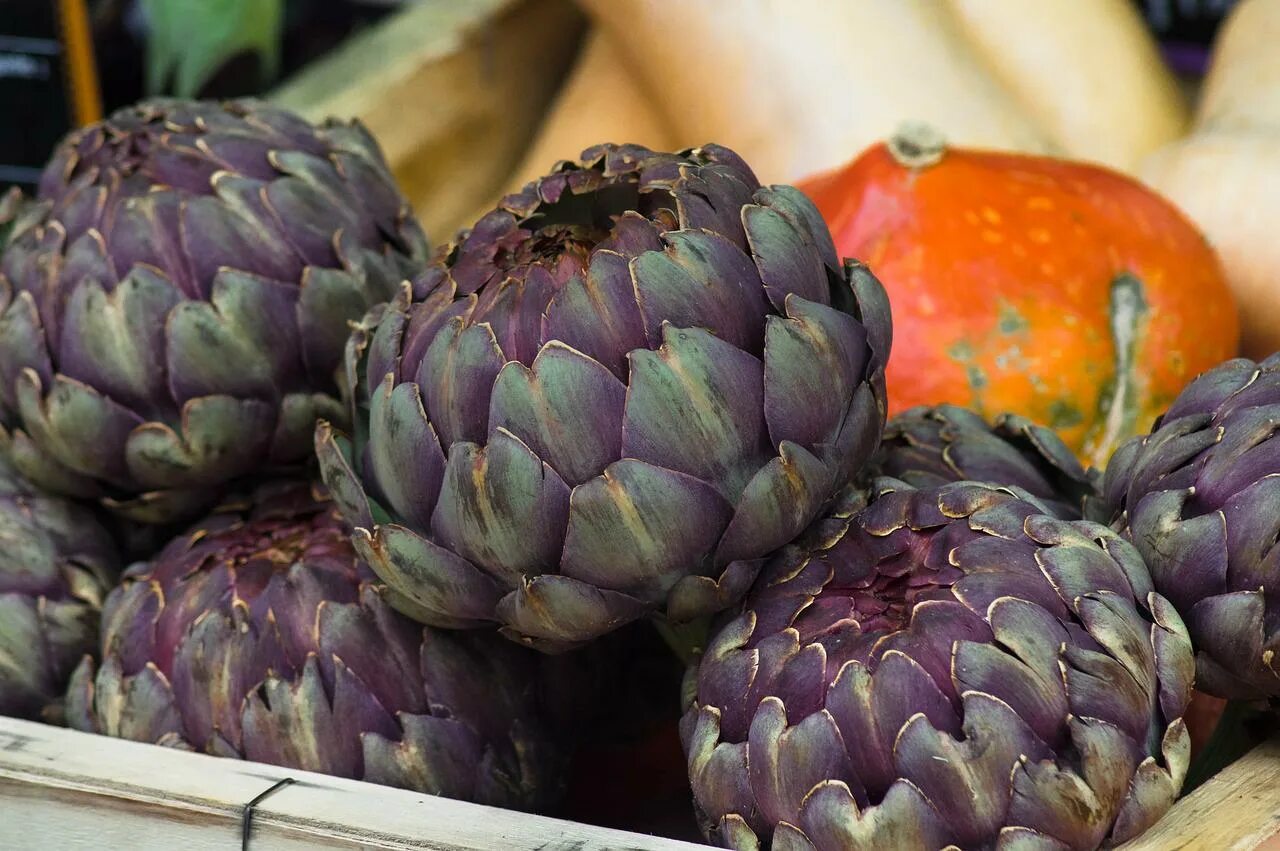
{"x":599,"y":100}
{"x":800,"y":87}
{"x":777,"y":81}
{"x":187,"y":43}
{"x":217,"y":48}
{"x":453,"y":91}
{"x":1086,"y":71}
{"x":1226,"y":174}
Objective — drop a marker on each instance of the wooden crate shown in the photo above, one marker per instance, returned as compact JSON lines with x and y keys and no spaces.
{"x":61,"y":790}
{"x":452,"y":89}
{"x":64,"y":790}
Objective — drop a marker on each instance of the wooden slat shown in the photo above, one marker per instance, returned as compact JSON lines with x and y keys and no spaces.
{"x":64,"y":790}
{"x":452,"y":89}
{"x":1237,"y":810}
{"x":60,"y":789}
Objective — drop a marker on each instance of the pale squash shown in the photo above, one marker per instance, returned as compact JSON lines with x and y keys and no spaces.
{"x":1086,"y":71}
{"x":1229,"y":184}
{"x":599,"y":102}
{"x":1226,"y":174}
{"x":1242,"y":90}
{"x":800,"y":86}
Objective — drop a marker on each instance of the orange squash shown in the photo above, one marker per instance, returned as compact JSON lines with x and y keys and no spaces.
{"x":1062,"y":291}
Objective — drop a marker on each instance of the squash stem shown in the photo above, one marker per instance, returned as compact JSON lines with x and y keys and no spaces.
{"x":917,"y":145}
{"x":1119,"y":403}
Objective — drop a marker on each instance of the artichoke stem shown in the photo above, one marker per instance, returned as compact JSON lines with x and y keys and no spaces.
{"x":686,"y":640}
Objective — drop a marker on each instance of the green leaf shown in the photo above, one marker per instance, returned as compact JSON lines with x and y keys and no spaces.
{"x":189,"y":40}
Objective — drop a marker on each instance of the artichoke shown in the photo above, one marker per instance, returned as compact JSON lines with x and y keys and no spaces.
{"x":56,"y":564}
{"x":175,"y":315}
{"x":931,"y":446}
{"x":260,"y":635}
{"x":14,"y":207}
{"x":614,"y":396}
{"x":1200,"y":497}
{"x":947,"y":666}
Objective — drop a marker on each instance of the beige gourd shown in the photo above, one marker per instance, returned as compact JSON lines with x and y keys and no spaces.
{"x":1226,"y":174}
{"x":800,"y":86}
{"x":1086,"y":71}
{"x":1242,"y":90}
{"x":599,"y":102}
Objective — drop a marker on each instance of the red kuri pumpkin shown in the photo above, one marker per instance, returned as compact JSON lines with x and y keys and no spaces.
{"x":1060,"y":290}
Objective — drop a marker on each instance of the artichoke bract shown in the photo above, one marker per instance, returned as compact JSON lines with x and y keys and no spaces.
{"x":260,"y":635}
{"x":175,"y":316}
{"x":614,"y":396}
{"x":14,"y":208}
{"x":948,"y":666}
{"x":931,"y":446}
{"x":1200,"y":498}
{"x":56,"y":563}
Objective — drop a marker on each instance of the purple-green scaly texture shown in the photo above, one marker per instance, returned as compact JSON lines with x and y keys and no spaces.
{"x":56,"y":564}
{"x":174,"y":306}
{"x":259,"y":634}
{"x":947,"y":666}
{"x":614,"y":396}
{"x":931,"y":446}
{"x":1200,"y":498}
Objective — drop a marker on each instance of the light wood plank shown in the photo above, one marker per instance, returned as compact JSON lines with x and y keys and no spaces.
{"x":61,"y":789}
{"x":452,"y":89}
{"x":1238,"y":810}
{"x":68,"y":790}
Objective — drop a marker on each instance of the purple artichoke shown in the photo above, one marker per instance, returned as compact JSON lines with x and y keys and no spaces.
{"x":261,"y":635}
{"x":948,"y":666}
{"x":14,"y":210}
{"x":56,"y":565}
{"x":927,"y":447}
{"x":614,"y":396}
{"x":1200,"y":497}
{"x":175,"y":317}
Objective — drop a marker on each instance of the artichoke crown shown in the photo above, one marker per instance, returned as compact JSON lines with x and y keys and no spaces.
{"x":931,"y":446}
{"x":1200,"y":498}
{"x":948,"y":666}
{"x":613,"y":396}
{"x":174,"y":316}
{"x":259,"y":634}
